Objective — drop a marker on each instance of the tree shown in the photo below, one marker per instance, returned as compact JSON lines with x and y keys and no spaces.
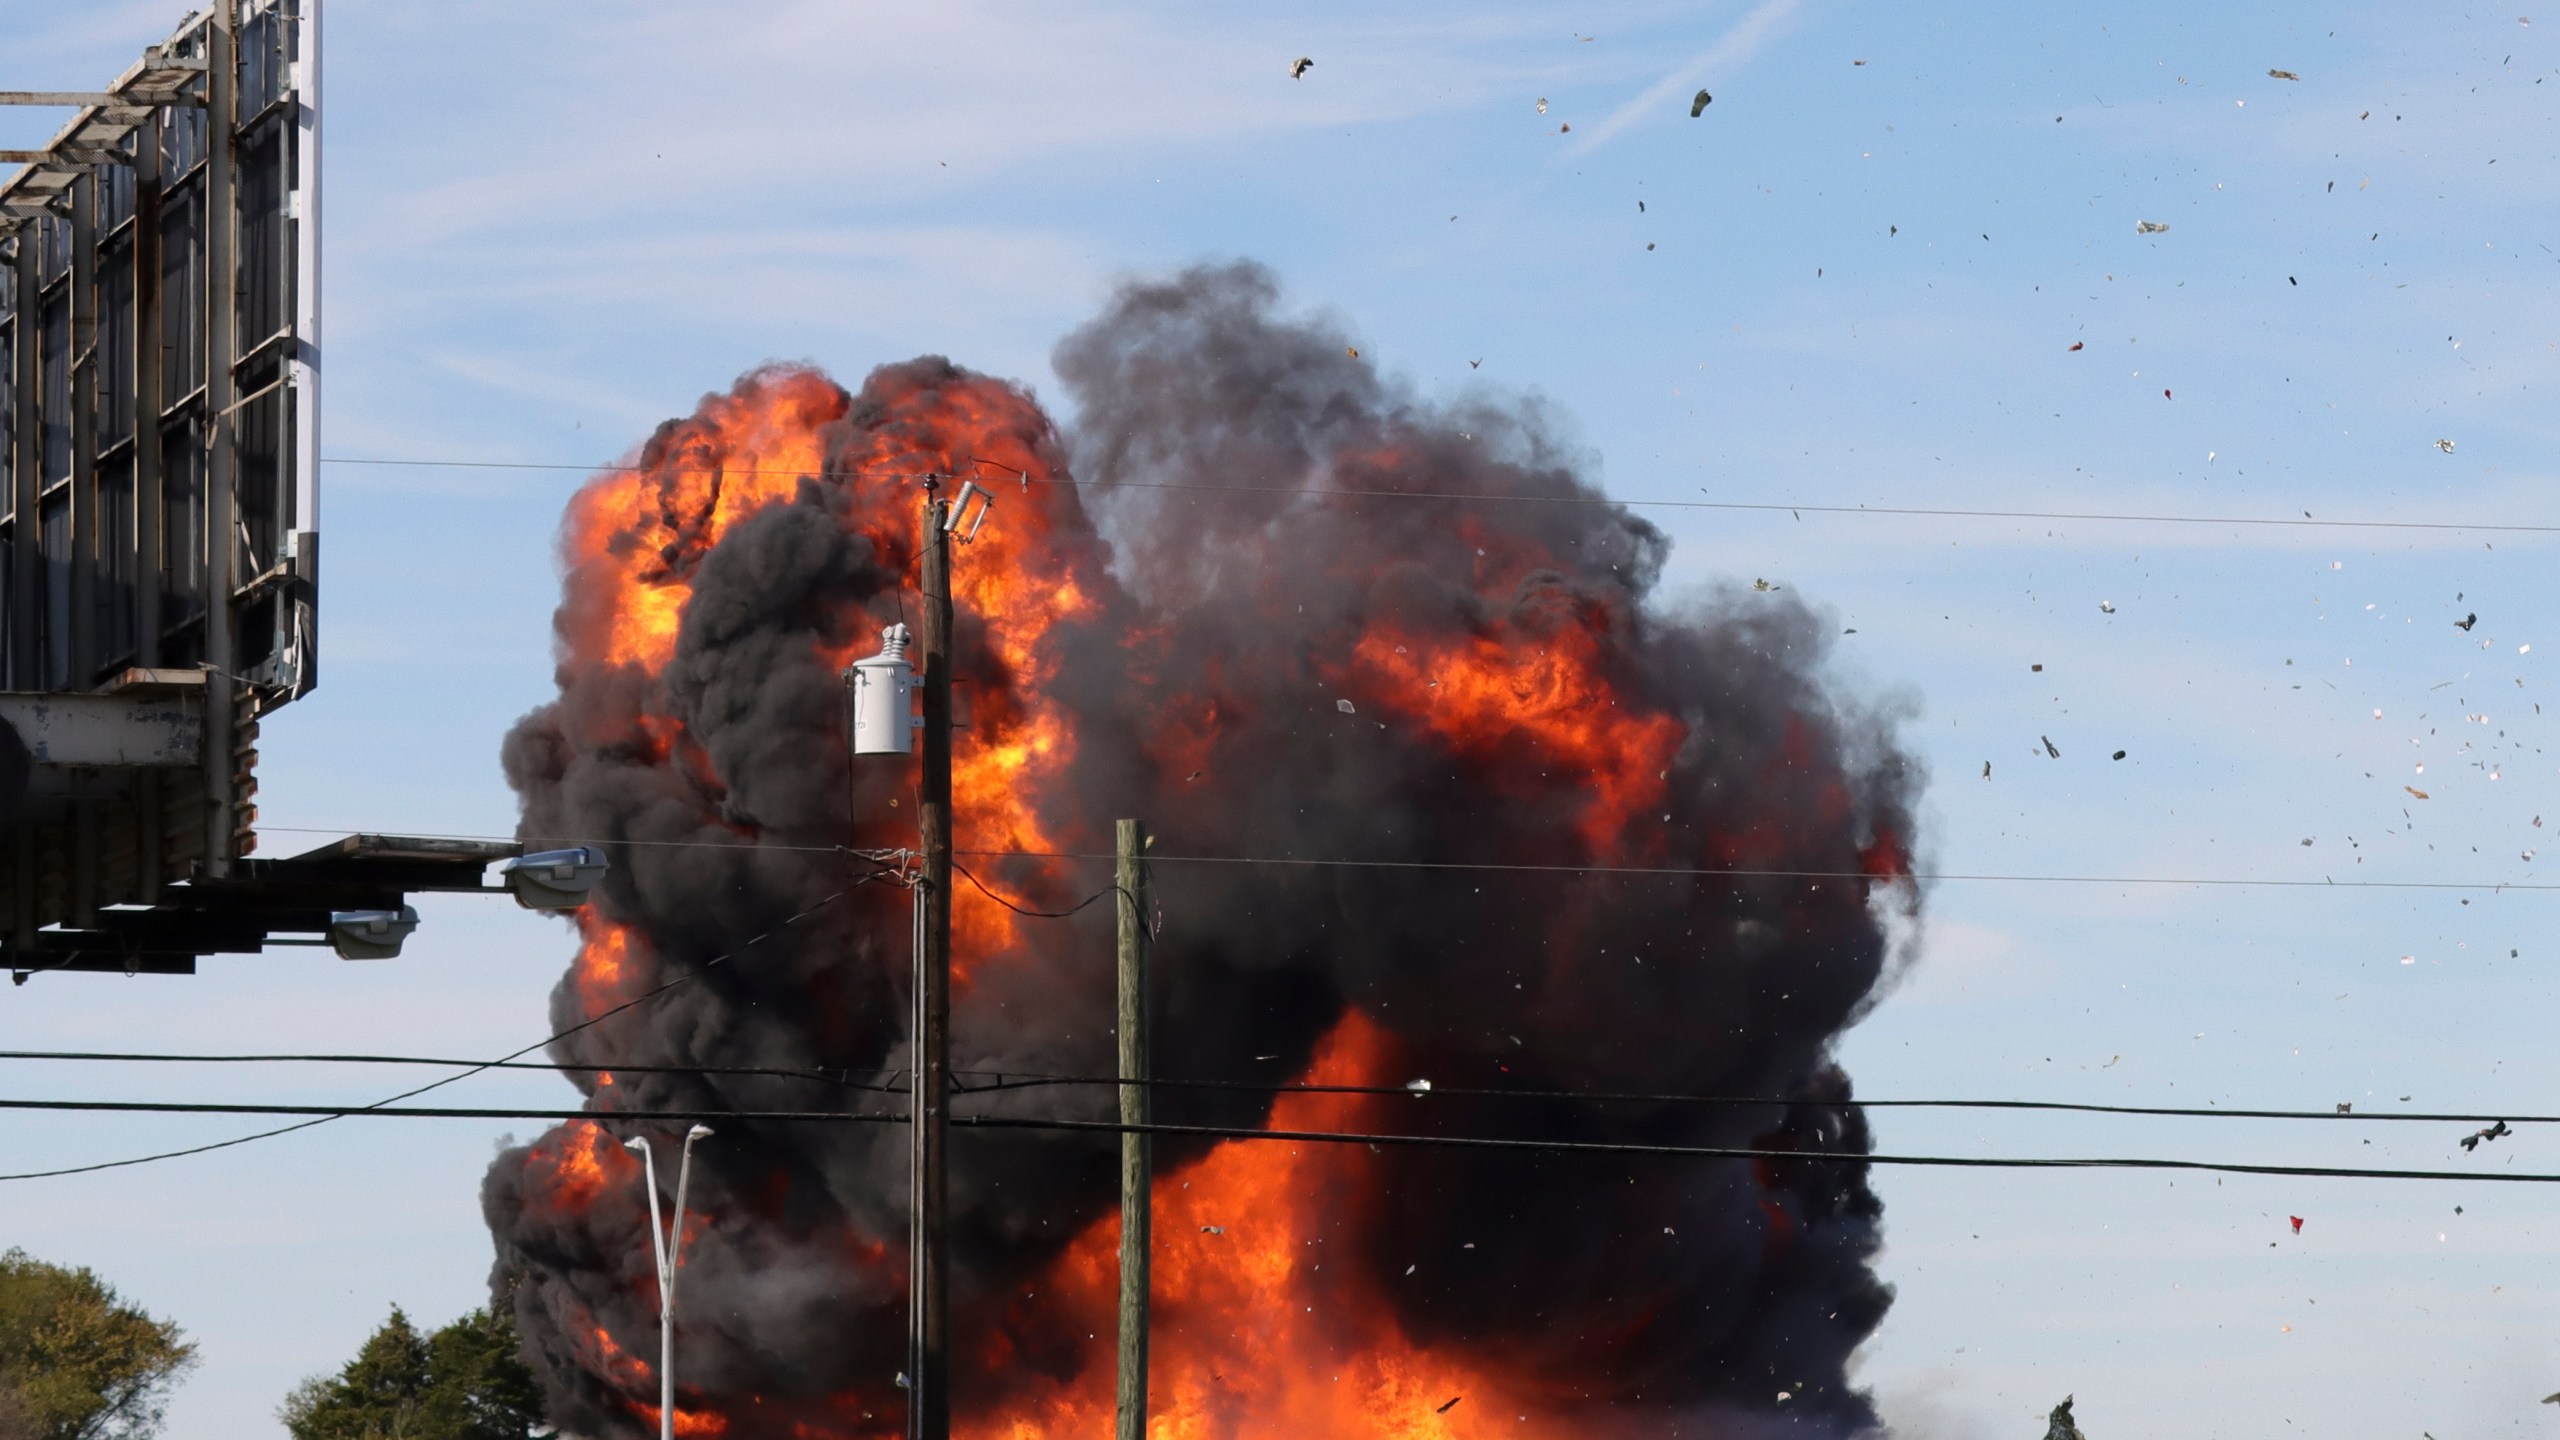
{"x":465,"y":1382}
{"x":76,"y":1361}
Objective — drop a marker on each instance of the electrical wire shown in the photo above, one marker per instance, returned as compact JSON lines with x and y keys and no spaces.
{"x":1497,"y":867}
{"x":1008,"y":1080}
{"x":1325,"y":1137}
{"x":1644,"y":502}
{"x":1016,"y":1080}
{"x":825,"y":1074}
{"x":477,"y":1067}
{"x":1674,"y":871}
{"x":1040,"y":914}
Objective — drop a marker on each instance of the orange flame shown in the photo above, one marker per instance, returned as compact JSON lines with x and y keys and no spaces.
{"x":1547,"y":707}
{"x":1255,"y":1338}
{"x":573,"y":1164}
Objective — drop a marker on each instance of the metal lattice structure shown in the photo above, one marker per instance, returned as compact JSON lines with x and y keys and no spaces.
{"x":159,"y":530}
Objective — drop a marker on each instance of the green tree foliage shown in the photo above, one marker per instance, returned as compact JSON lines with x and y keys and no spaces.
{"x":464,"y":1382}
{"x":76,"y":1361}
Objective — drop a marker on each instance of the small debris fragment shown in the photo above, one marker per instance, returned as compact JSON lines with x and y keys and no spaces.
{"x":1351,"y":350}
{"x":2037,"y":668}
{"x":1346,"y":707}
{"x":2346,"y":1107}
{"x":2078,"y":345}
{"x":1418,"y":1087}
{"x":1764,"y":586}
{"x":2282,"y":75}
{"x":2119,"y":755}
{"x":2150,"y":227}
{"x":2467,"y":621}
{"x":1213,"y":1229}
{"x":2445,"y":445}
{"x":1448,"y":1405}
{"x":2107,"y":607}
{"x":1542,"y":104}
{"x":1299,"y":67}
{"x":2472,"y":1140}
{"x":2048,"y":746}
{"x":2060,"y":1425}
{"x":1699,"y":106}
{"x":2297,"y":1223}
{"x":2414,"y":790}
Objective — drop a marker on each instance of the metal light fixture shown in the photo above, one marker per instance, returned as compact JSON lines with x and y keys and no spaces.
{"x":370,"y":934}
{"x":883,"y":686}
{"x":667,"y":1247}
{"x":554,"y":879}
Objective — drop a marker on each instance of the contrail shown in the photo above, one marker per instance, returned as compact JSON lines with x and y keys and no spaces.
{"x":1739,"y":44}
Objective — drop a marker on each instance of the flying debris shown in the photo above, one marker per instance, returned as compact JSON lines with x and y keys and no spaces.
{"x":1764,"y":586}
{"x":2048,"y":746}
{"x":2119,"y":755}
{"x":2107,"y":607}
{"x":2150,"y":227}
{"x":2282,"y":75}
{"x":1346,"y":707}
{"x":1542,"y":104}
{"x":2060,"y":1426}
{"x":2445,"y":445}
{"x":2414,"y":790}
{"x":1448,"y":1405}
{"x":1299,"y":67}
{"x":1699,"y":106}
{"x":2472,"y":1140}
{"x":2297,"y":1223}
{"x":2467,"y":621}
{"x":2079,"y":344}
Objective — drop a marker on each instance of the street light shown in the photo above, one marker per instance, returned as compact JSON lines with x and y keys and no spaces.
{"x":668,"y":1246}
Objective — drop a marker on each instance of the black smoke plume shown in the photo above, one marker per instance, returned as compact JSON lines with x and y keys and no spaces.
{"x":1316,"y":618}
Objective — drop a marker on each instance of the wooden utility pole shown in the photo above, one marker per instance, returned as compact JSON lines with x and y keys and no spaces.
{"x":929,"y":1239}
{"x":1137,"y":1210}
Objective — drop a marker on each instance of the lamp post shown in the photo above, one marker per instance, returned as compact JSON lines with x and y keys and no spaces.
{"x":667,"y":1245}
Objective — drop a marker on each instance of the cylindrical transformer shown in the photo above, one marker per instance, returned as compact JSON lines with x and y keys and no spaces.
{"x":883,"y":716}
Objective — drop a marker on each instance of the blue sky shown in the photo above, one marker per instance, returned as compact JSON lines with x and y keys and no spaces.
{"x":551,"y":226}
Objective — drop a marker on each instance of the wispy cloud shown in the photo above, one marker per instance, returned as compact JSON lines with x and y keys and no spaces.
{"x":1738,"y":45}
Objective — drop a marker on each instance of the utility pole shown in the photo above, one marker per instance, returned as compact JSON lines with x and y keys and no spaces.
{"x":1137,"y":1209}
{"x":929,"y":1241}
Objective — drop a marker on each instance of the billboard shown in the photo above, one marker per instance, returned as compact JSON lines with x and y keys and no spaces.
{"x":159,"y":520}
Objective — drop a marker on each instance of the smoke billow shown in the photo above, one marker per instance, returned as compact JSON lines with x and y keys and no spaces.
{"x":1280,"y":607}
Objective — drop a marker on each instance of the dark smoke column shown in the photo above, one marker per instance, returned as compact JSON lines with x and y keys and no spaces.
{"x":1206,"y":631}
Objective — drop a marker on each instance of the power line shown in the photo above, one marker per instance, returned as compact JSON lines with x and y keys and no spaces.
{"x":1611,"y":1147}
{"x":1751,"y":874}
{"x":827,"y":1074}
{"x":1038,"y":914}
{"x":475,"y":1068}
{"x":1008,"y":1080}
{"x":1326,"y":1137}
{"x":1647,"y":502}
{"x":1735,"y":873}
{"x":1011,"y":1080}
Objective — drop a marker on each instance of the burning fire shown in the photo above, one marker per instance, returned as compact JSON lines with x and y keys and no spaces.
{"x":1275,"y":1312}
{"x":1252,"y":1338}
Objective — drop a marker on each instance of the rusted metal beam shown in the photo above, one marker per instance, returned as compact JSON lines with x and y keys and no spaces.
{"x":66,"y":729}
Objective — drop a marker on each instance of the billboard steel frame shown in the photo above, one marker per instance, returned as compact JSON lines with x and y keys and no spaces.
{"x":159,"y":506}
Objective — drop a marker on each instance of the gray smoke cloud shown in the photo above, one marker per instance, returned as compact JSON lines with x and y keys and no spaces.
{"x":1452,"y":668}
